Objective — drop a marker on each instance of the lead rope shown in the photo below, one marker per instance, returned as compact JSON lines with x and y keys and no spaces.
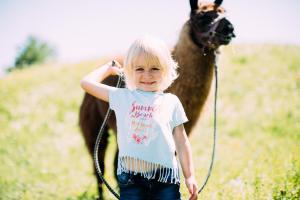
{"x":215,"y":131}
{"x":98,"y":139}
{"x":100,"y":134}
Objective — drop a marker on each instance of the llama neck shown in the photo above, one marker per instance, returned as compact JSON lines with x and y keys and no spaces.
{"x":195,"y":68}
{"x":195,"y":74}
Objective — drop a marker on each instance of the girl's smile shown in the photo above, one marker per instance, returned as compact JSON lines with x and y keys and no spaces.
{"x":148,"y":83}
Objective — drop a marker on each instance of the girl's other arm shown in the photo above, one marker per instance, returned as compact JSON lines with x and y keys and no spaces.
{"x":184,"y":151}
{"x":91,"y":83}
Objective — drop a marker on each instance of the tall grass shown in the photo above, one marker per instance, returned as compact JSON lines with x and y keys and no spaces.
{"x":43,"y":156}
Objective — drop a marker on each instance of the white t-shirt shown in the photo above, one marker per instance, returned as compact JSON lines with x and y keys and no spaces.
{"x":145,"y":123}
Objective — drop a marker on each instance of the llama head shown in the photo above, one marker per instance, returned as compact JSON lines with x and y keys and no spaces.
{"x":209,"y":27}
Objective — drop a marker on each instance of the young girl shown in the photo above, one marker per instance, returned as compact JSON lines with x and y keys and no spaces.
{"x":149,"y":123}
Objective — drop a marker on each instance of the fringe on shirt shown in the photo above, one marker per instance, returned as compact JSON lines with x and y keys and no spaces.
{"x":147,"y":169}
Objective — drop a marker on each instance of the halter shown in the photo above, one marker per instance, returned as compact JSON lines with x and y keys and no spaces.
{"x":207,"y":43}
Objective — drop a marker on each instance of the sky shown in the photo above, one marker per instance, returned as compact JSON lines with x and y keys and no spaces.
{"x":88,"y":29}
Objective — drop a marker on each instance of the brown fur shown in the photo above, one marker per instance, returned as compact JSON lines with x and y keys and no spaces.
{"x":192,"y":86}
{"x":206,"y":6}
{"x":195,"y":76}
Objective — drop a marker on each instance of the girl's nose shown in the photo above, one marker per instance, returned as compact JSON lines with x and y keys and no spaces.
{"x":148,"y":74}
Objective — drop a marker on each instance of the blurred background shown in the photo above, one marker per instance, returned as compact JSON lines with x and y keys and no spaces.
{"x":42,"y":151}
{"x":81,"y":30}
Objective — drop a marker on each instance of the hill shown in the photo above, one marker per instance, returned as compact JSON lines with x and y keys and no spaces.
{"x":42,"y":153}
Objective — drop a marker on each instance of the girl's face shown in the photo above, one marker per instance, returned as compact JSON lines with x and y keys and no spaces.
{"x":147,"y":77}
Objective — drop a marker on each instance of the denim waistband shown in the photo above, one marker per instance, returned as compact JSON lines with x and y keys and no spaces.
{"x":156,"y":178}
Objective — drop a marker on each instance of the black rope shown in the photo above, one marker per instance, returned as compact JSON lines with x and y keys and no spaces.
{"x":215,"y":131}
{"x":97,"y":144}
{"x":100,"y":134}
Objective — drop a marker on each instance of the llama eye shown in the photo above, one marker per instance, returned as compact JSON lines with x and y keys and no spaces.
{"x":204,"y":8}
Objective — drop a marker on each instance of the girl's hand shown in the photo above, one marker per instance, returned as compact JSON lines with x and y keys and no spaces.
{"x":115,"y":69}
{"x":191,"y":185}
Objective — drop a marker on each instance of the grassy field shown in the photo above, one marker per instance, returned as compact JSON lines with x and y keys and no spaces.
{"x":43,"y":156}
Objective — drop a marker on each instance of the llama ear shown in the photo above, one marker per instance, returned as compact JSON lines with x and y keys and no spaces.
{"x":218,"y":2}
{"x":194,"y":5}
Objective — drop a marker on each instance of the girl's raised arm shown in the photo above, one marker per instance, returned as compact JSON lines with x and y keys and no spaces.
{"x":91,"y":83}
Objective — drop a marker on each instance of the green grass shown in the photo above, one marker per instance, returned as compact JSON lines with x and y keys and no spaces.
{"x":43,"y":156}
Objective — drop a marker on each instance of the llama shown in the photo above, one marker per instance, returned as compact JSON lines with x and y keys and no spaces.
{"x":195,"y":53}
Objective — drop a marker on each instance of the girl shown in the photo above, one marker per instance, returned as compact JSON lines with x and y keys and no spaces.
{"x":149,"y":123}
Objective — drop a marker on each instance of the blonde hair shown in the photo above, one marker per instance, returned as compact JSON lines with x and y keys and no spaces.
{"x":155,"y":53}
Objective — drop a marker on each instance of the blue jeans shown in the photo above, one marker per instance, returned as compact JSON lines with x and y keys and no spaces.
{"x":136,"y":187}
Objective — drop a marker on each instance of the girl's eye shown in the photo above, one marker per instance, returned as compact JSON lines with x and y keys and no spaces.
{"x":155,"y":69}
{"x":139,"y":69}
